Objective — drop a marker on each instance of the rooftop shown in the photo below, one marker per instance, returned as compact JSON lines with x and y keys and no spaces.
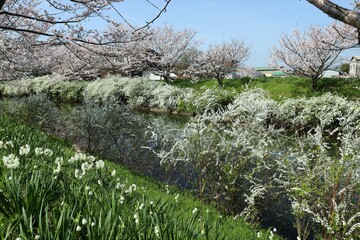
{"x":265,"y":69}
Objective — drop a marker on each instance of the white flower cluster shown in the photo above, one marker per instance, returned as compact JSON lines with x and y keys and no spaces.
{"x":132,"y":188}
{"x":24,"y":150}
{"x":81,"y":157}
{"x":6,"y":145}
{"x":11,"y":161}
{"x":139,"y":92}
{"x":41,"y":151}
{"x":87,"y":163}
{"x":250,"y":142}
{"x":58,"y":161}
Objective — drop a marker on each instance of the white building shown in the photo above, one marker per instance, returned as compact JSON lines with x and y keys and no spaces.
{"x":330,"y":73}
{"x":151,"y":76}
{"x":355,"y":67}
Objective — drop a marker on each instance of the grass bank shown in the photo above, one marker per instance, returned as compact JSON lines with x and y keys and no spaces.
{"x":48,"y":191}
{"x":281,"y":88}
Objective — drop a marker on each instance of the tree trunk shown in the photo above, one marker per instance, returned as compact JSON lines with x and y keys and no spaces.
{"x":314,"y":83}
{"x":220,"y":82}
{"x":166,"y":79}
{"x":337,"y":12}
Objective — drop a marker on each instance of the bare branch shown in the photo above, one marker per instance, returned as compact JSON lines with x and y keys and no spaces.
{"x":156,"y":17}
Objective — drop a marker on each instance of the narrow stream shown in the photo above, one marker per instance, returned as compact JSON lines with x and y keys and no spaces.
{"x":120,"y":134}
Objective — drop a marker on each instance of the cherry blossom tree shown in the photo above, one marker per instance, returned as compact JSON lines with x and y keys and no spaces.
{"x":165,"y":47}
{"x":187,"y":60}
{"x":64,"y":17}
{"x":25,"y":56}
{"x":122,"y":53}
{"x":31,"y":27}
{"x":220,"y":60}
{"x":313,"y":51}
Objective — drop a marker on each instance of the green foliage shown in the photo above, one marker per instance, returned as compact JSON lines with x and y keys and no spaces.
{"x":282,"y":88}
{"x":67,"y":91}
{"x":345,"y":68}
{"x":48,"y":192}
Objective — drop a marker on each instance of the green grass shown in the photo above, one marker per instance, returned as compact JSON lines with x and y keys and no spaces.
{"x":38,"y":201}
{"x":280,"y":88}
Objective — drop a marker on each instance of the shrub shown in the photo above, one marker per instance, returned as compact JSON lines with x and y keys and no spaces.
{"x":326,"y":110}
{"x":244,"y":159}
{"x":212,"y":99}
{"x":106,"y":90}
{"x":67,"y":91}
{"x":36,"y":110}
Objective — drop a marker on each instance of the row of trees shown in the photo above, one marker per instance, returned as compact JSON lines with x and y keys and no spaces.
{"x":161,"y":50}
{"x":164,"y":50}
{"x":34,"y":42}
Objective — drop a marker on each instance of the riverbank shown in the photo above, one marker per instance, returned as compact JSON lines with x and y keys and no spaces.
{"x":50,"y":191}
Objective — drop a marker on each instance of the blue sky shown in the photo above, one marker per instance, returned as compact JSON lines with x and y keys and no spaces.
{"x":257,"y":22}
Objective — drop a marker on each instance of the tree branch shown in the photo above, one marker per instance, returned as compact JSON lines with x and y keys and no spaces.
{"x":337,"y":12}
{"x":2,"y":2}
{"x":41,"y":19}
{"x":27,"y":30}
{"x":153,"y":20}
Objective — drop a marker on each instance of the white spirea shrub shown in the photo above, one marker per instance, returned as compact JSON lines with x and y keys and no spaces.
{"x":212,"y":99}
{"x":106,"y":90}
{"x":243,"y":158}
{"x":324,"y":110}
{"x":138,"y":92}
{"x":254,"y":106}
{"x":15,"y":88}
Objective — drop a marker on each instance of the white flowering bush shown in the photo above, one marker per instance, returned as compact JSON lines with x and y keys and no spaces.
{"x":67,"y":91}
{"x":258,"y":153}
{"x":212,"y":99}
{"x":322,"y":182}
{"x":223,"y":159}
{"x":140,"y":93}
{"x":168,"y":97}
{"x":253,"y":106}
{"x":53,"y":87}
{"x":36,"y":110}
{"x":110,"y":89}
{"x":326,"y":110}
{"x":14,"y":89}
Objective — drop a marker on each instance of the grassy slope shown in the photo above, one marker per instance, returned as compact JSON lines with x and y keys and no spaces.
{"x":279,"y":88}
{"x":218,"y":227}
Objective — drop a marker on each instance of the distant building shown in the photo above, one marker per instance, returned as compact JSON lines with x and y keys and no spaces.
{"x":151,"y":76}
{"x":270,"y":71}
{"x":330,"y":73}
{"x":249,"y":72}
{"x":355,"y":67}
